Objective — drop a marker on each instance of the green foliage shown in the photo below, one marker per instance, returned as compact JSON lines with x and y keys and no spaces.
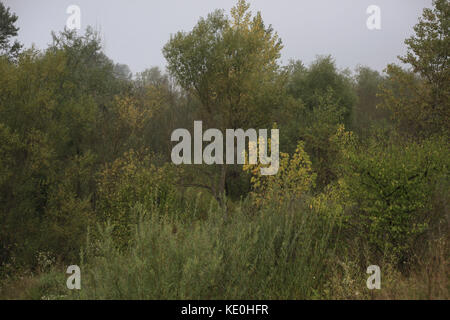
{"x":419,"y":99}
{"x":130,"y":180}
{"x":281,"y":252}
{"x":389,"y":187}
{"x":367,"y":113}
{"x":48,"y":128}
{"x":428,"y":48}
{"x":75,"y":130}
{"x":319,"y":98}
{"x":322,"y":78}
{"x":230,"y":65}
{"x":8,"y":30}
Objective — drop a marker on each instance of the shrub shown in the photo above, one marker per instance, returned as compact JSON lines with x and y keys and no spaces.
{"x":131,"y":179}
{"x":389,"y":186}
{"x":294,"y":178}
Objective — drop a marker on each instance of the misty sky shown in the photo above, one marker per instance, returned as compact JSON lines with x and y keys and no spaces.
{"x":134,"y":31}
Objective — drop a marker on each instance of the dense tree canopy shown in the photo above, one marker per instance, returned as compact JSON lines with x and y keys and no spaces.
{"x":86,"y":175}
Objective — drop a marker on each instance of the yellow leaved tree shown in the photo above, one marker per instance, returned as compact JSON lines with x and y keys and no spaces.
{"x":294,"y":179}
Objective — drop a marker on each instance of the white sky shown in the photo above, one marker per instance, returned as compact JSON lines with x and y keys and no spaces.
{"x":134,"y":31}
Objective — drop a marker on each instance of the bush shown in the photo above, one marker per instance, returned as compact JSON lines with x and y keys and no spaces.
{"x":294,"y":178}
{"x":131,"y":179}
{"x":388,"y":187}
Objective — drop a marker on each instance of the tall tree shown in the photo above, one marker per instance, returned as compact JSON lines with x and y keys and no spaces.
{"x":230,"y":65}
{"x":8,"y":30}
{"x":419,"y":98}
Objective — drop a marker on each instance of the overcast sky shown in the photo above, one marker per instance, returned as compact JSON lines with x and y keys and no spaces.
{"x":134,"y":31}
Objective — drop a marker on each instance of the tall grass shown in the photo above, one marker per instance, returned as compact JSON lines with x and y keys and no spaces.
{"x":279,"y":252}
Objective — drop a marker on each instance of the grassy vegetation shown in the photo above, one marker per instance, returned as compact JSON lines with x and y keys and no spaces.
{"x":288,"y":251}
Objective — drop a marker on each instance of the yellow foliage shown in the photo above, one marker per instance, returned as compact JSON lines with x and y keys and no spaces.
{"x":130,"y":113}
{"x":294,"y":179}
